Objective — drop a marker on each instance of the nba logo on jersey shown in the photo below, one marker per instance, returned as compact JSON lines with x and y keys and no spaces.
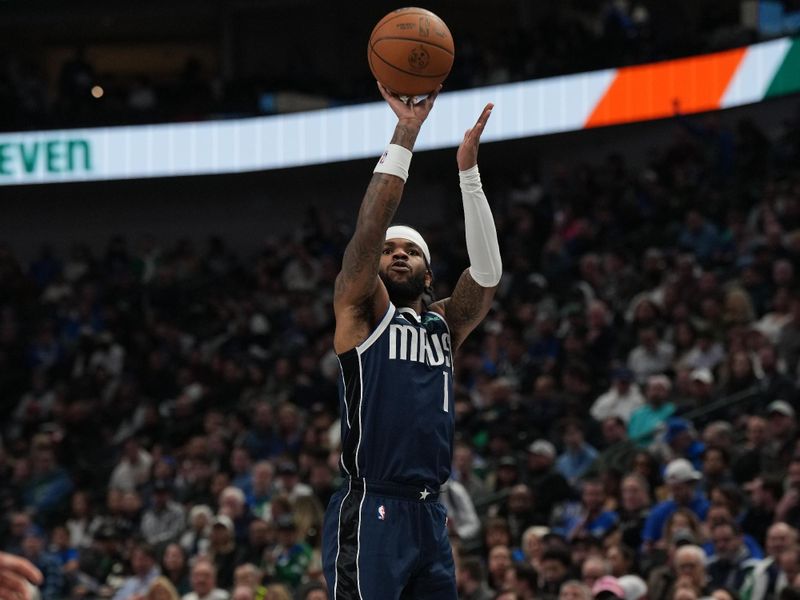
{"x":381,"y":513}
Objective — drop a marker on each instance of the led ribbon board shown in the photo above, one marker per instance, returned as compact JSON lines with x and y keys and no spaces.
{"x":614,"y":96}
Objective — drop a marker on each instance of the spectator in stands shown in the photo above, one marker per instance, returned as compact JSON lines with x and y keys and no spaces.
{"x":781,"y":427}
{"x":634,"y":509}
{"x":618,"y":450}
{"x":498,"y":562}
{"x":789,"y":337}
{"x":204,"y":582}
{"x":461,"y":514}
{"x":162,"y":589}
{"x":144,"y":571}
{"x":34,"y":549}
{"x":621,"y":560}
{"x":765,"y":493}
{"x":747,"y":464}
{"x":261,"y":488}
{"x":706,"y":354}
{"x":574,"y":590}
{"x":682,"y":478}
{"x":578,"y":456}
{"x":731,"y":561}
{"x":550,"y":485}
{"x":133,"y":468}
{"x":556,"y":564}
{"x":773,"y":383}
{"x":521,"y":579}
{"x":288,"y":481}
{"x":681,"y":441}
{"x":223,"y":550}
{"x":50,"y":486}
{"x":688,"y":567}
{"x":652,"y":356}
{"x":621,"y":400}
{"x":716,"y":468}
{"x":647,"y":419}
{"x":261,"y":440}
{"x":261,"y":536}
{"x":288,"y":561}
{"x":590,"y":519}
{"x":175,"y":567}
{"x":19,"y":524}
{"x":165,"y":519}
{"x":195,"y":537}
{"x":312,"y":591}
{"x":247,"y":575}
{"x":464,"y":470}
{"x":762,"y":581}
{"x":594,"y":568}
{"x":533,"y":546}
{"x":471,"y":580}
{"x":232,"y":504}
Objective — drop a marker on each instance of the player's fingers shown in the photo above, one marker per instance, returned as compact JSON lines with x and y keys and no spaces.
{"x":14,"y":587}
{"x":382,"y":90}
{"x":20,"y":566}
{"x":435,"y":94}
{"x":485,"y":114}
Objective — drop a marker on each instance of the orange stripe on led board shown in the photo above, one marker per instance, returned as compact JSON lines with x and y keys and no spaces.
{"x":649,"y":91}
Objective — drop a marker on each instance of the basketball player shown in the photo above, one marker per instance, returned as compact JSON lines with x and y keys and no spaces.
{"x":385,"y":533}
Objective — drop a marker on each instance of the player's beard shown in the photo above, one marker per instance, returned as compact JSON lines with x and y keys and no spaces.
{"x":404,"y":293}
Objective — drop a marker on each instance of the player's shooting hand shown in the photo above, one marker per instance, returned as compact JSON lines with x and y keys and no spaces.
{"x":16,"y":575}
{"x":407,"y":110}
{"x":467,"y":155}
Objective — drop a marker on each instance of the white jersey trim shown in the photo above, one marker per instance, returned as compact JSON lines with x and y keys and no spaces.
{"x":376,"y":333}
{"x":358,"y":538}
{"x":339,"y":540}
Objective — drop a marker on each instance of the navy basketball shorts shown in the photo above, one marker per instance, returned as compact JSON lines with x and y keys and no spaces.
{"x":383,"y":541}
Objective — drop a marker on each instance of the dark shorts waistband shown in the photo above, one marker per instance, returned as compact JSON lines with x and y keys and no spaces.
{"x":420,"y":493}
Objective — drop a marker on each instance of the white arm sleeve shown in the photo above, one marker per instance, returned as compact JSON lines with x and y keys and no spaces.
{"x":486,"y":267}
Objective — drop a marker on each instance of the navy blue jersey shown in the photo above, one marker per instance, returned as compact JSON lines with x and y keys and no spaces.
{"x":396,"y":396}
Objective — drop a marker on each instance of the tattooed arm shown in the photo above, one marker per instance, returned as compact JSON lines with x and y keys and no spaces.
{"x":466,"y":308}
{"x":360,"y":298}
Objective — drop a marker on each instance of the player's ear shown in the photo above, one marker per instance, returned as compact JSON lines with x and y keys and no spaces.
{"x":428,"y":278}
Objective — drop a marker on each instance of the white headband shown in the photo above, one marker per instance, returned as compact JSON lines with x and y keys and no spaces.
{"x":412,"y":235}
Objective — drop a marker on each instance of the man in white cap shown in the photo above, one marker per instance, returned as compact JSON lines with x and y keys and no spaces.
{"x":385,"y":531}
{"x":681,"y":478}
{"x":781,"y":427}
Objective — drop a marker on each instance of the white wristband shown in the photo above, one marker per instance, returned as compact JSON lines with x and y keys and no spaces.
{"x":395,"y":161}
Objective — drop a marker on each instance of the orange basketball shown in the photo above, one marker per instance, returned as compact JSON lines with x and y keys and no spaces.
{"x":410,"y":51}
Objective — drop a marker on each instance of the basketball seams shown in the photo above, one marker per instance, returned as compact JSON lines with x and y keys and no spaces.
{"x":391,"y":17}
{"x":404,"y":39}
{"x":388,"y":64}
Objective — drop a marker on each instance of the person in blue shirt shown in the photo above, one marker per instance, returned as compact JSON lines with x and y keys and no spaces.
{"x":578,"y":456}
{"x":33,"y":548}
{"x":681,"y":478}
{"x":588,"y":519}
{"x":682,"y":440}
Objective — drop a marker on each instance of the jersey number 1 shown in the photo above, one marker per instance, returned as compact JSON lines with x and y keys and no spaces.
{"x":446,"y":405}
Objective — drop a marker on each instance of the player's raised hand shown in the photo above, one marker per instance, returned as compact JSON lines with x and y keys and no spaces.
{"x":407,"y":109}
{"x":467,"y":155}
{"x":16,"y":575}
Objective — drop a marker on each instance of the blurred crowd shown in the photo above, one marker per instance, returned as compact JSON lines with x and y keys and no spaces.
{"x":562,"y":38}
{"x":626,"y":414}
